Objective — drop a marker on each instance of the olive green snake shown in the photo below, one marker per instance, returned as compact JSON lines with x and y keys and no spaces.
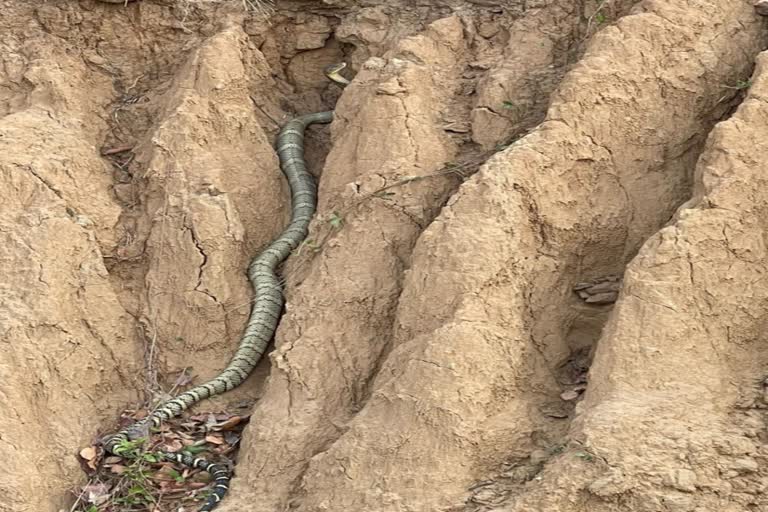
{"x":267,"y":306}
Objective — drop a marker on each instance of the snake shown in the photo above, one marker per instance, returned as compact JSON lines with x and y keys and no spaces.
{"x":267,"y":305}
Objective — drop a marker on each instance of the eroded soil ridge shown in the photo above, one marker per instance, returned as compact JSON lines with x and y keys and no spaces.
{"x":488,"y":158}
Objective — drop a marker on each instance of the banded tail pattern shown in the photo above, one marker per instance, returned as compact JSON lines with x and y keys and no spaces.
{"x":265,"y":313}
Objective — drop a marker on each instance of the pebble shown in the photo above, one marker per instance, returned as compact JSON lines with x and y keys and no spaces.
{"x":604,"y":290}
{"x":681,"y":479}
{"x":603,"y":298}
{"x":744,"y":465}
{"x":538,"y":456}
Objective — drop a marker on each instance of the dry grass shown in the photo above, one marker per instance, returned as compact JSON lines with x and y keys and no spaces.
{"x":263,"y":7}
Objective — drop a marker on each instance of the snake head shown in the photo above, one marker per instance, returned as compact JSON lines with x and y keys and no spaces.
{"x":332,"y":71}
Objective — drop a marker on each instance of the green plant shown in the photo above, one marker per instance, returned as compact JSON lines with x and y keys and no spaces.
{"x":193,"y":449}
{"x":586,"y":456}
{"x":149,"y":457}
{"x":600,"y":18}
{"x":176,"y":476}
{"x":508,"y":105}
{"x":137,"y":494}
{"x":336,"y":220}
{"x":309,"y":244}
{"x":128,"y":448}
{"x":558,"y":448}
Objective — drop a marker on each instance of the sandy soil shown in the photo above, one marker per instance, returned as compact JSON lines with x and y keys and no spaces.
{"x":488,"y":158}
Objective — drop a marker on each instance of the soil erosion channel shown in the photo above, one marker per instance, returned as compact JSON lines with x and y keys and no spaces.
{"x":536,"y":278}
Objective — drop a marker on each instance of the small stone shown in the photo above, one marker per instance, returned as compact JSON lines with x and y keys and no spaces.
{"x":124,"y":192}
{"x":681,"y":479}
{"x":457,"y":127}
{"x":375,"y":63}
{"x":312,"y":33}
{"x":603,"y":298}
{"x":555,"y":410}
{"x":744,"y":465}
{"x":95,"y":58}
{"x":479,"y":65}
{"x":605,"y":286}
{"x":569,"y":395}
{"x":538,"y":457}
{"x":734,"y":445}
{"x":83,"y":220}
{"x":581,"y":286}
{"x":484,"y":495}
{"x":761,"y":7}
{"x":611,"y":484}
{"x":488,"y":29}
{"x":521,"y":474}
{"x":677,"y":502}
{"x":390,"y":88}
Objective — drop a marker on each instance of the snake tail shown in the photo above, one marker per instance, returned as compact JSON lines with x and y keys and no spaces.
{"x":266,"y":310}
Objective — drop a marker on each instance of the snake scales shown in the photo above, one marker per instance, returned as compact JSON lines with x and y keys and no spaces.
{"x":267,"y":306}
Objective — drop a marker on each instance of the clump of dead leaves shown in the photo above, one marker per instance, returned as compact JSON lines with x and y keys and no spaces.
{"x":143,"y":482}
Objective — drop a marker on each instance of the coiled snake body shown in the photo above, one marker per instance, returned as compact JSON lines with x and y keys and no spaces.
{"x":267,"y":307}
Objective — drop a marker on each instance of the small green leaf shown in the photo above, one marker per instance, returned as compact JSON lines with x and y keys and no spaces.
{"x":557,"y":449}
{"x":508,"y":105}
{"x":600,"y":18}
{"x":336,"y":221}
{"x":193,"y":450}
{"x":129,"y":448}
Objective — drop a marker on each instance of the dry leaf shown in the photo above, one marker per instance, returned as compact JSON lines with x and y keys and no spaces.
{"x":89,"y":456}
{"x":231,"y":422}
{"x":117,"y":469}
{"x":88,"y":453}
{"x":173,"y":446}
{"x":116,"y":150}
{"x":214,"y":439}
{"x":166,"y":473}
{"x":96,"y":493}
{"x":231,"y":437}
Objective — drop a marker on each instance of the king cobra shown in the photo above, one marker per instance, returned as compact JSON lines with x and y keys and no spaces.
{"x":267,"y":306}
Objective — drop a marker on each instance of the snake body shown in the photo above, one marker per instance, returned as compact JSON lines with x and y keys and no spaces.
{"x":267,"y":306}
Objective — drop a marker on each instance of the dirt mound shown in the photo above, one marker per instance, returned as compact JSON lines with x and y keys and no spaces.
{"x":493,"y":167}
